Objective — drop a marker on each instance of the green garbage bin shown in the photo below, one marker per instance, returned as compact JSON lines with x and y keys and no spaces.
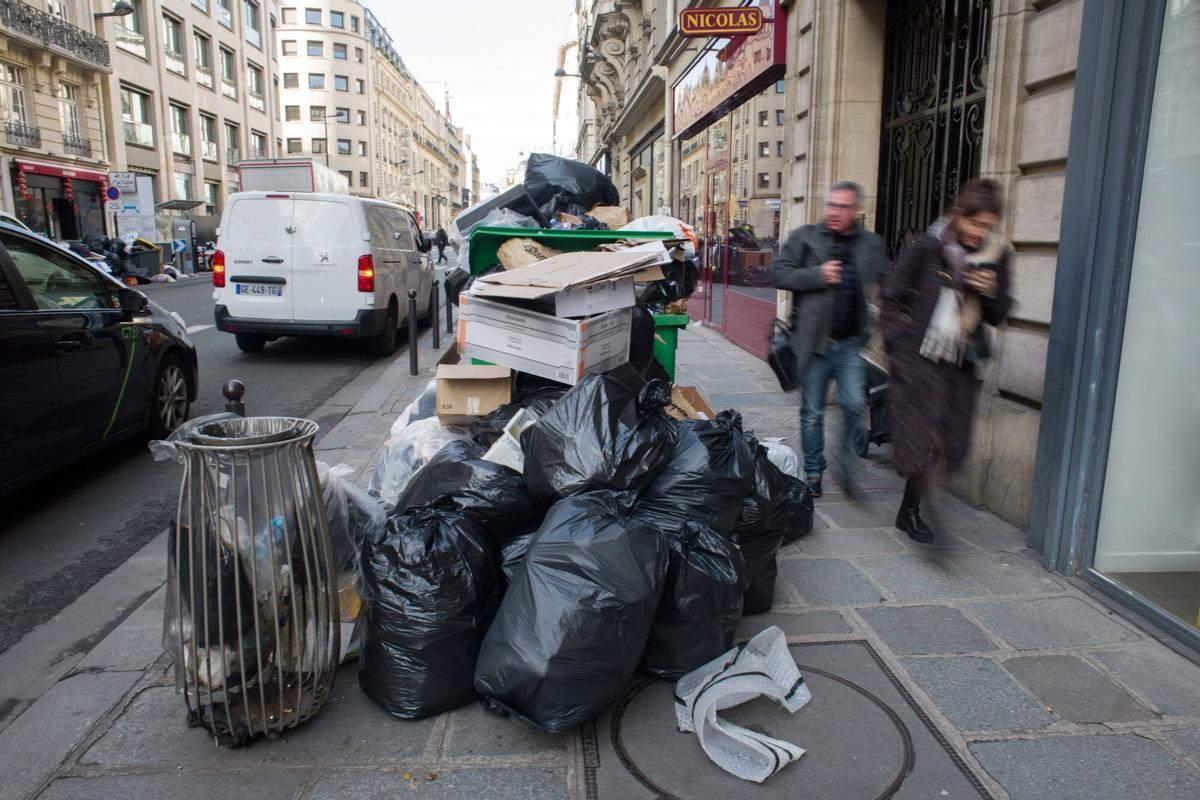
{"x":666,"y":339}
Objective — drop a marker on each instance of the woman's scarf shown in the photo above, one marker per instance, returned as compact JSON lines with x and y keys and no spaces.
{"x":958,"y":310}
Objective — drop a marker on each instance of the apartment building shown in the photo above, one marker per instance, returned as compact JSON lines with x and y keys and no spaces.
{"x":393,"y":93}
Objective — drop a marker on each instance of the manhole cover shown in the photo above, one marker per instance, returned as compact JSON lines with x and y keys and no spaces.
{"x":865,"y":738}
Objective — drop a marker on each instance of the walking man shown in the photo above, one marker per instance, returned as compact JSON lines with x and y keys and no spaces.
{"x":441,"y":240}
{"x":831,"y":269}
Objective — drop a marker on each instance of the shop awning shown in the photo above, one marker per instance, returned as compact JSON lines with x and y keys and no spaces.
{"x":62,"y":171}
{"x":178,"y":205}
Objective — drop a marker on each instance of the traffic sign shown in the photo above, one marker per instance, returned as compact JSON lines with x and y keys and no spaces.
{"x":179,"y":245}
{"x":113,"y":193}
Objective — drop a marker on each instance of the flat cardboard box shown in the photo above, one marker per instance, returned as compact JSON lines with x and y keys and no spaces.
{"x":688,"y":403}
{"x":468,"y":391}
{"x":582,"y":284}
{"x":562,"y":350}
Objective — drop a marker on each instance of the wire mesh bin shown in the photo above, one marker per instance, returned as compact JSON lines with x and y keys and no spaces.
{"x":252,"y":610}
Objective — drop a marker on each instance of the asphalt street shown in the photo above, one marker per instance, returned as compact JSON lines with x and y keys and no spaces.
{"x":62,"y":534}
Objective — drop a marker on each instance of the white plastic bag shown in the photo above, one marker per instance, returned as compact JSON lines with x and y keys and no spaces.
{"x":407,"y":452}
{"x":423,"y":407}
{"x":782,"y":456}
{"x":507,"y":449}
{"x":664,"y":223}
{"x":762,"y":667}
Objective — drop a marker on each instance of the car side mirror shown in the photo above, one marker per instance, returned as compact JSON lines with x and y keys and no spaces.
{"x":423,"y":243}
{"x":132,"y":302}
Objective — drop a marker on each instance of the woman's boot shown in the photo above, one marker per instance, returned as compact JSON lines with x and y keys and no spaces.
{"x":908,"y":519}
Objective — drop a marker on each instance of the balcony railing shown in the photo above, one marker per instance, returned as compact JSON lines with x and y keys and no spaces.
{"x":229,"y":88}
{"x":181,"y":144}
{"x":174,"y":62}
{"x":77,"y":145}
{"x":232,"y":154}
{"x":257,"y":102}
{"x":22,"y":134}
{"x":204,"y":76}
{"x":129,"y":40}
{"x":53,"y":33}
{"x":208,"y":151}
{"x":141,"y":133}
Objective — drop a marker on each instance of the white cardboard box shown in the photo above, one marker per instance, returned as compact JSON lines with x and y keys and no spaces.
{"x":584,"y":301}
{"x":564,"y":350}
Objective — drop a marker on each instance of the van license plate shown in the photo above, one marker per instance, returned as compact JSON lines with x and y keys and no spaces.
{"x":258,"y":289}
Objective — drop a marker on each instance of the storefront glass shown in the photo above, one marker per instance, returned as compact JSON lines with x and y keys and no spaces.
{"x":1149,"y":525}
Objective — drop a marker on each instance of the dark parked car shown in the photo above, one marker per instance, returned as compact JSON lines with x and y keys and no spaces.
{"x":84,"y":361}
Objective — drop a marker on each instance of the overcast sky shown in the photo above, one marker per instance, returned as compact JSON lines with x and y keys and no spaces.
{"x":498,"y":58}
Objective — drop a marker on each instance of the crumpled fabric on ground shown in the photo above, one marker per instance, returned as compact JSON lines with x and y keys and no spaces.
{"x":762,"y":667}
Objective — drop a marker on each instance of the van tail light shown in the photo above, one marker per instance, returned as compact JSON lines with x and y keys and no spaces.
{"x":218,"y":269}
{"x":366,"y":273}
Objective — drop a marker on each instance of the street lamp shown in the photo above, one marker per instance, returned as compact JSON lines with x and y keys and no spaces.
{"x":325,"y":121}
{"x":120,"y":9}
{"x":562,"y":73}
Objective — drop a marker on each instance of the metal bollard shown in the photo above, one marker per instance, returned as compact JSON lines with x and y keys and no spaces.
{"x":436,"y":327}
{"x":414,"y":334}
{"x":234,"y":390}
{"x":449,"y":313}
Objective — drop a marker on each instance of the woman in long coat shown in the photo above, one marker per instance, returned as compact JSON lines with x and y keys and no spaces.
{"x":947,"y":284}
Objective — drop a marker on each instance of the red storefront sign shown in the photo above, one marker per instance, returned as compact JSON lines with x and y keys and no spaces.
{"x":41,"y":168}
{"x":722,"y":79}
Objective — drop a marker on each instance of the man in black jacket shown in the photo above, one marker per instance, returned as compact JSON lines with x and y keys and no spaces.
{"x":831,"y":269}
{"x":441,"y":240}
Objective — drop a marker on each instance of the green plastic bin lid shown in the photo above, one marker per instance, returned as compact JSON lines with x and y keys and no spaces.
{"x":671,"y":320}
{"x":485,"y":242}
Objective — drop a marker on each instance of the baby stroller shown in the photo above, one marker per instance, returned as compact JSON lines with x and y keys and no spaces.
{"x":878,"y":383}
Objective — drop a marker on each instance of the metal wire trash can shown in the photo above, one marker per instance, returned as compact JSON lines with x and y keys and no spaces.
{"x":252,"y":610}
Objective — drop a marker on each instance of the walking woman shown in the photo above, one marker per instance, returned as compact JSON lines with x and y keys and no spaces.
{"x":947,"y":284}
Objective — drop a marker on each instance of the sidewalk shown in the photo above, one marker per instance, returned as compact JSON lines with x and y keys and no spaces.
{"x":962,"y":670}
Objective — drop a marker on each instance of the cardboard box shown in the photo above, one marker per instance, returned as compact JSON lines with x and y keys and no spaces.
{"x":559,"y":349}
{"x":688,"y":403}
{"x":581,"y":284}
{"x":467,"y":391}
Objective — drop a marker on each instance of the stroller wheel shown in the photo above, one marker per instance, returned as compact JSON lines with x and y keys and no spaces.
{"x":862,"y":442}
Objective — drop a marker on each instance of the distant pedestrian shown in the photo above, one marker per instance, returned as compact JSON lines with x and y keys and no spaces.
{"x":441,"y":240}
{"x":947,"y":284}
{"x":831,"y":268}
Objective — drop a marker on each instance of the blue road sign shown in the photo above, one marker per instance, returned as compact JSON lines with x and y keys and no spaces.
{"x":179,"y":245}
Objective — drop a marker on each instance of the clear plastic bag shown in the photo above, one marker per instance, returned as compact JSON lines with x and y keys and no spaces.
{"x":407,"y":452}
{"x":782,"y":456}
{"x":165,"y":449}
{"x":664,"y":223}
{"x":423,"y":407}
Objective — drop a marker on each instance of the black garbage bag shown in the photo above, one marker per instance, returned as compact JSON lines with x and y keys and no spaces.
{"x":432,"y":587}
{"x":679,"y":282}
{"x":532,"y":391}
{"x":701,"y":604}
{"x":492,"y":496}
{"x":641,"y":339}
{"x":706,"y":479}
{"x":800,"y":510}
{"x":760,"y":530}
{"x":607,"y":432}
{"x":487,"y":429}
{"x":572,"y":626}
{"x":559,"y":184}
{"x":456,"y":280}
{"x":512,"y":555}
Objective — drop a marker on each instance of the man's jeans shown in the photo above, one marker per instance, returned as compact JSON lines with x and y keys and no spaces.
{"x":840,"y":361}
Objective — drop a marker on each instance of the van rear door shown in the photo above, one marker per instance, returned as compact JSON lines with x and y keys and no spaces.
{"x":327,"y":242}
{"x":257,"y":243}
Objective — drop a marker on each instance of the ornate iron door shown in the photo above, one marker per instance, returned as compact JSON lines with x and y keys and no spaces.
{"x":933,"y":101}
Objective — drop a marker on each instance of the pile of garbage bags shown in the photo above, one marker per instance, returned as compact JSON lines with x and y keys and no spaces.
{"x":628,"y":541}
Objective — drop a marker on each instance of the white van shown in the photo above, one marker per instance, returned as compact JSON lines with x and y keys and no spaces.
{"x":299,"y":263}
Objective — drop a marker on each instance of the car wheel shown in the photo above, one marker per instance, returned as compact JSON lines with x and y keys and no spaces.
{"x":385,"y":343}
{"x":169,"y":404}
{"x":250,"y":342}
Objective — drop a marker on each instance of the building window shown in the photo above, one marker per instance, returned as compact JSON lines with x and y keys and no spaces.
{"x":130,"y":31}
{"x":778,"y":180}
{"x":341,"y":83}
{"x":339,"y":51}
{"x":362,"y":86}
{"x":208,"y":137}
{"x":258,"y":144}
{"x":292,"y":113}
{"x":316,"y":49}
{"x":254,"y":76}
{"x":358,"y":54}
{"x":228,"y":73}
{"x":212,"y":198}
{"x":764,"y":180}
{"x":289,"y":47}
{"x":288,"y":15}
{"x":318,"y":145}
{"x":343,"y":115}
{"x":779,"y":117}
{"x":316,"y":80}
{"x":316,"y":113}
{"x":183,"y":186}
{"x":181,"y":141}
{"x":312,"y":16}
{"x":779,"y":148}
{"x":337,"y":19}
{"x":762,"y":119}
{"x":135,"y":114}
{"x":779,"y":86}
{"x":362,"y":148}
{"x":68,"y":109}
{"x":362,"y":179}
{"x":12,"y":82}
{"x":202,"y":46}
{"x":354,"y":23}
{"x":291,"y":80}
{"x":233,"y":143}
{"x":173,"y":45}
{"x":343,"y":147}
{"x":348,"y":175}
{"x":294,"y":146}
{"x":225,"y":13}
{"x":362,"y":118}
{"x":764,"y":149}
{"x":253,"y":19}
